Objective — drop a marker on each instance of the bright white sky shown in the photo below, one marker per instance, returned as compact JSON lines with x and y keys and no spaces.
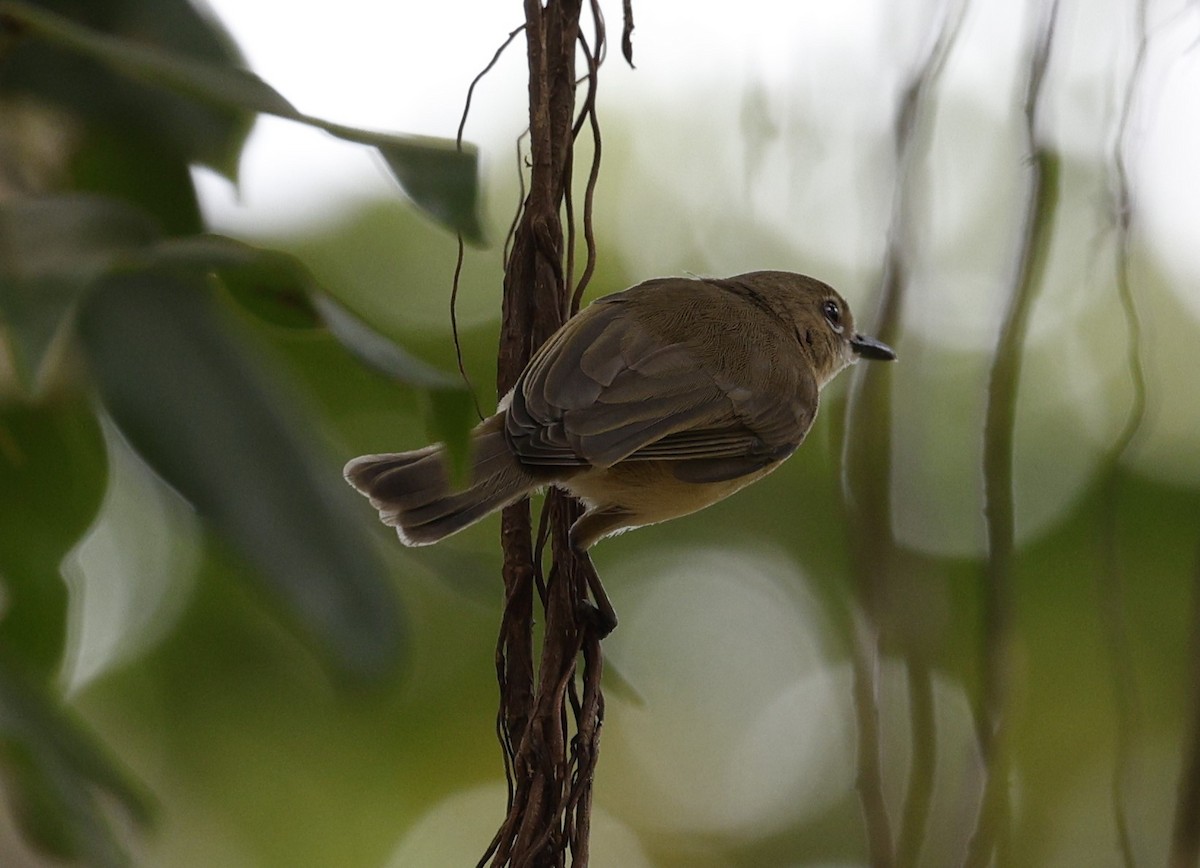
{"x":406,"y":66}
{"x":762,"y":139}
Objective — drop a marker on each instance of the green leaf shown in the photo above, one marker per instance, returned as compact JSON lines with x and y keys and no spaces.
{"x":202,"y":412}
{"x":274,"y":286}
{"x":53,"y":475}
{"x":379,"y":352}
{"x":617,"y":684}
{"x":450,"y":423}
{"x":51,"y":250}
{"x":279,"y":289}
{"x":444,"y":183}
{"x":183,"y":74}
{"x":437,"y":176}
{"x":435,"y":173}
{"x":56,"y":773}
{"x":83,"y":64}
{"x":125,"y":164}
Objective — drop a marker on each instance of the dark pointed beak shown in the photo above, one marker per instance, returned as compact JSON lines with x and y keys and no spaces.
{"x":869,"y":348}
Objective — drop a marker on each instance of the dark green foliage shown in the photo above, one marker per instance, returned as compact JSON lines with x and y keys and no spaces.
{"x":53,"y":472}
{"x":102,"y":260}
{"x":55,"y":247}
{"x":82,"y":57}
{"x":58,"y":773}
{"x":194,"y":404}
{"x":197,"y":107}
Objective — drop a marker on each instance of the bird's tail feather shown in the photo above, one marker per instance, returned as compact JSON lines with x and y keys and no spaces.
{"x":413,"y":493}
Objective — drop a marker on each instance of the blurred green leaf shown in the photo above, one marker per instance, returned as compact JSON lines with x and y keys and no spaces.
{"x":439,"y":178}
{"x":197,"y":407}
{"x":381,"y":353}
{"x":443,"y":182}
{"x":189,"y":76}
{"x":274,"y":286}
{"x":450,"y":421}
{"x":53,"y":474}
{"x":137,"y":169}
{"x":51,"y":249}
{"x":436,"y":174}
{"x":56,"y":773}
{"x":618,"y":685}
{"x":83,"y":63}
{"x":279,"y":289}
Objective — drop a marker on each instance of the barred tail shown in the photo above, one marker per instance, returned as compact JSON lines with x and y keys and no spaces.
{"x":412,"y":490}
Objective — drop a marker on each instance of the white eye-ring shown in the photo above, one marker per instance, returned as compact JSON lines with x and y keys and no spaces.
{"x":833,"y":315}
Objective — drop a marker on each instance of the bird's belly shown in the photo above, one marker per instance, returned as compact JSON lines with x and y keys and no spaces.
{"x":650,"y":492}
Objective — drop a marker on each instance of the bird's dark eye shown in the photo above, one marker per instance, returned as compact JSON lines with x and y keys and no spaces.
{"x":833,"y":314}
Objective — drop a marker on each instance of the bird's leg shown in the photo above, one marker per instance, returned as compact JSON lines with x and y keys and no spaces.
{"x":602,"y":616}
{"x":591,"y":526}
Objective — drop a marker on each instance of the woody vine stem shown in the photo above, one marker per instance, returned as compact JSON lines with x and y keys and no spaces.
{"x":550,"y":714}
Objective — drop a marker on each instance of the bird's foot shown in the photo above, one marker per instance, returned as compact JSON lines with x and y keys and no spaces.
{"x":601,"y":619}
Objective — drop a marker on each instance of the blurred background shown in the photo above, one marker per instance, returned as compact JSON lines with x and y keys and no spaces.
{"x":181,"y":643}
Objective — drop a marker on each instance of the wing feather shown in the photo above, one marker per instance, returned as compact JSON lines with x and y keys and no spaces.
{"x":610,"y":387}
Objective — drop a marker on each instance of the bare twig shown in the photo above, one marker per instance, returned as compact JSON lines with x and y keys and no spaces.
{"x":588,"y":111}
{"x":991,"y":833}
{"x":867,"y":471}
{"x":587,"y":114}
{"x":589,"y":224}
{"x":458,"y":262}
{"x":627,"y":33}
{"x":522,"y":165}
{"x":550,"y":770}
{"x":868,"y":778}
{"x":1109,"y":578}
{"x":458,"y":354}
{"x":1124,"y":207}
{"x":1185,"y":831}
{"x":918,"y":799}
{"x":471,"y":89}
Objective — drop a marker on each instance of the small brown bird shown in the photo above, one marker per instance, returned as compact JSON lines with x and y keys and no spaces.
{"x":650,"y":404}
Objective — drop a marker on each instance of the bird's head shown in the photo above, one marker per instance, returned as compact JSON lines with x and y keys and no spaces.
{"x":823,"y":321}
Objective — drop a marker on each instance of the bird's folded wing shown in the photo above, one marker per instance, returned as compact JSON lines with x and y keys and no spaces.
{"x":606,"y":389}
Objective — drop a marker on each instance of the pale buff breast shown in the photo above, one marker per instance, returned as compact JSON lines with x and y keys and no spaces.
{"x":649,"y":491}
